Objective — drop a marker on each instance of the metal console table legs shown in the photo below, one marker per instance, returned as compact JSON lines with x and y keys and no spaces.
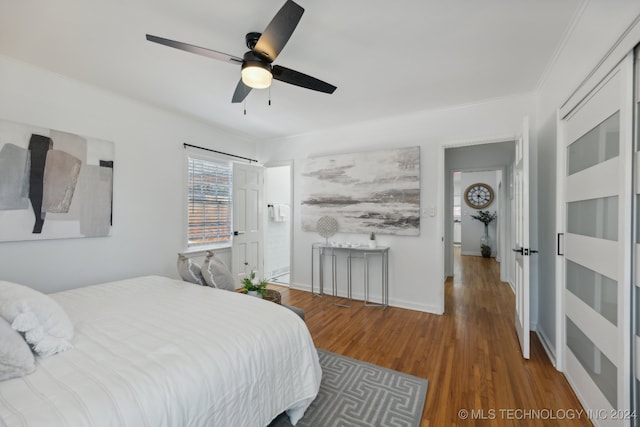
{"x":366,"y":254}
{"x":385,"y":277}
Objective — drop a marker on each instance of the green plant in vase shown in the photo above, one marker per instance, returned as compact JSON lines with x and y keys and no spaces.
{"x":372,"y":240}
{"x":253,"y":284}
{"x":486,"y":218}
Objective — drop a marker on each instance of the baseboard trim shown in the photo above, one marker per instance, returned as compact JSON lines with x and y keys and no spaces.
{"x":470,"y":253}
{"x":426,"y":308}
{"x":548,"y":347}
{"x":409,"y":305}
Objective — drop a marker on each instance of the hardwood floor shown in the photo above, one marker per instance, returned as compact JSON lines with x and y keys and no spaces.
{"x":470,"y":355}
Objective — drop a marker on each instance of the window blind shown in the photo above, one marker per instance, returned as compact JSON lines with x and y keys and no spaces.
{"x":209,"y":202}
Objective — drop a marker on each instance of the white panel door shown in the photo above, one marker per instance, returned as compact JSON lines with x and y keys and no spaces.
{"x":248,"y":223}
{"x":597,"y":250}
{"x":521,"y":196}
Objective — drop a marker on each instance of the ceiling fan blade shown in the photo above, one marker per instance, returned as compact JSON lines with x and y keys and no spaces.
{"x":195,"y":49}
{"x":279,"y":30}
{"x":297,"y":78}
{"x":241,"y":92}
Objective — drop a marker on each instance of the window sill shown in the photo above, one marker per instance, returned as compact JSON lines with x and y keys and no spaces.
{"x":203,"y":250}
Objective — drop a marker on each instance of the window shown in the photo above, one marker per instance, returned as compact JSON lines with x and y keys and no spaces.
{"x":209,"y":202}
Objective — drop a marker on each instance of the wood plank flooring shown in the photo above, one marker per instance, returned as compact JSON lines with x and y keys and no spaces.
{"x":470,"y":355}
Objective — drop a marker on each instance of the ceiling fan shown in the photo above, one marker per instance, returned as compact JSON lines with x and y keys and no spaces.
{"x":257,"y":71}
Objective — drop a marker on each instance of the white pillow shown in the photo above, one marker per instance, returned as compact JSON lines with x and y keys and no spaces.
{"x":216,"y":274}
{"x":16,"y":358}
{"x":45,"y":325}
{"x":189,"y":270}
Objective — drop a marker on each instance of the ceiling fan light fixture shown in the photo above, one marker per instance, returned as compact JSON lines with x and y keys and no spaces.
{"x":257,"y":75}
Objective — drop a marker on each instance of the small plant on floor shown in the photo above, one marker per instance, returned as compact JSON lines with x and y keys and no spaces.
{"x":251,"y":283}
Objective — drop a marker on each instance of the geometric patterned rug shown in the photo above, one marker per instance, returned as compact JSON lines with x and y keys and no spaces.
{"x":354,"y":393}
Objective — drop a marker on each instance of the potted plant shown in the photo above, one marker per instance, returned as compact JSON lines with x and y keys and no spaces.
{"x":372,"y":240}
{"x":253,"y":286}
{"x":486,"y":218}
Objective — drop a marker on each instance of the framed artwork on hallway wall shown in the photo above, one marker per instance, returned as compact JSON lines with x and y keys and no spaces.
{"x":376,"y":191}
{"x":53,"y":184}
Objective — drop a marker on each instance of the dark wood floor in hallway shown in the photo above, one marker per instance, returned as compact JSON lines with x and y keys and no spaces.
{"x":470,"y":355}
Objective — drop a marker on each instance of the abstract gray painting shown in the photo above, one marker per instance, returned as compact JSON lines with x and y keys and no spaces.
{"x":53,"y":184}
{"x":375,"y":191}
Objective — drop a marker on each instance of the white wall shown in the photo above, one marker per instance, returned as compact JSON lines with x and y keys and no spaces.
{"x":600,"y":25}
{"x":416,"y":270}
{"x":149,"y":179}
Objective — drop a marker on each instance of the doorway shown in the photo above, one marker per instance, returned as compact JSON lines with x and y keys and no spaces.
{"x":277,"y":255}
{"x":490,"y":164}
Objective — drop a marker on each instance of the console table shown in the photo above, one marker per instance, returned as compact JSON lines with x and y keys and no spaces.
{"x":321,"y":251}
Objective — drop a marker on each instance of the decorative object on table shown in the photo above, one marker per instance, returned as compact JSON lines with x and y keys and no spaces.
{"x":190,"y":271}
{"x":478,"y":196}
{"x":53,"y":185}
{"x":326,"y":227}
{"x":372,"y":240}
{"x":371,"y":191}
{"x":216,"y":273}
{"x":486,"y":218}
{"x":254,"y":286}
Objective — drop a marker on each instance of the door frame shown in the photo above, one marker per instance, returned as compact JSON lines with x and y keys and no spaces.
{"x":290,"y":163}
{"x":446,"y":222}
{"x":522,"y":210}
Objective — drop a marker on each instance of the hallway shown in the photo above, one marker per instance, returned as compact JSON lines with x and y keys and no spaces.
{"x":470,"y":355}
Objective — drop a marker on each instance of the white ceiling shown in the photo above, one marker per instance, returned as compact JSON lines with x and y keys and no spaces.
{"x":387,"y":58}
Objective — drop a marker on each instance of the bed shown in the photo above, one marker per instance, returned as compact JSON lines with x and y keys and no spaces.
{"x":153,"y":351}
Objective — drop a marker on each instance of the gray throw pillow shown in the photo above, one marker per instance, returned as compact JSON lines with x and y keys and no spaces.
{"x":216,"y":273}
{"x":190,"y":271}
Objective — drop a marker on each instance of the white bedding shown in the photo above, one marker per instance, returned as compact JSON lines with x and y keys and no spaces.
{"x":156,"y":352}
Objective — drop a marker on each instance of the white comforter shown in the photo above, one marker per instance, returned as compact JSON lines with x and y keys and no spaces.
{"x":156,"y":352}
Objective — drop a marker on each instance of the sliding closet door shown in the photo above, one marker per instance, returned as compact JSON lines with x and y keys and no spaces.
{"x":598,"y":244}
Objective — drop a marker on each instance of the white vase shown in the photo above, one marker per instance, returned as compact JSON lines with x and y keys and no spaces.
{"x":254,"y":294}
{"x":372,"y":244}
{"x":486,"y":243}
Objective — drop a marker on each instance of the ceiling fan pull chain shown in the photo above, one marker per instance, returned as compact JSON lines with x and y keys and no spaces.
{"x":245,"y":106}
{"x":269,"y":96}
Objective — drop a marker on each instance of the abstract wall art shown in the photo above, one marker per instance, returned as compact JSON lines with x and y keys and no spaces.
{"x":375,"y":191}
{"x":53,"y":184}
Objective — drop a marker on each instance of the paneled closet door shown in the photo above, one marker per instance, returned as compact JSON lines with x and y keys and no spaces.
{"x":597,"y":290}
